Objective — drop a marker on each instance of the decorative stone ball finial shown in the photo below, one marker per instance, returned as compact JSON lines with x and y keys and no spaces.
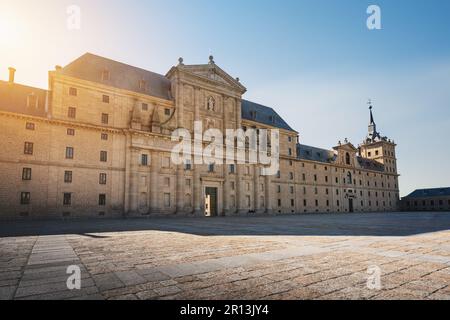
{"x":238,"y":80}
{"x":211,"y":59}
{"x":180,"y":60}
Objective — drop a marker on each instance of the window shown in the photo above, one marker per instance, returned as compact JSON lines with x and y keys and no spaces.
{"x":28,"y":148}
{"x":337,"y":192}
{"x":292,"y":203}
{"x":279,"y":189}
{"x":377,"y":152}
{"x":338,"y":203}
{"x":69,"y":153}
{"x":304,"y":203}
{"x":317,"y":203}
{"x":26,"y":174}
{"x":142,"y":84}
{"x":326,"y":178}
{"x":349,"y":178}
{"x":105,"y":75}
{"x":232,"y":168}
{"x":167,"y":200}
{"x":144,"y":107}
{"x":167,"y":112}
{"x":291,"y":175}
{"x":279,"y":202}
{"x":292,"y":190}
{"x":304,"y":177}
{"x":73,"y":92}
{"x":103,"y":156}
{"x":68,"y":177}
{"x":290,"y":139}
{"x":104,"y":136}
{"x":188,"y":165}
{"x":290,"y":152}
{"x":67,"y":199}
{"x":102,"y":199}
{"x":315,"y":177}
{"x":144,"y":160}
{"x":105,"y":99}
{"x":232,"y":185}
{"x":25,"y":198}
{"x":337,"y":180}
{"x":167,"y":182}
{"x":70,"y":132}
{"x":347,"y":158}
{"x":369,"y":154}
{"x":72,"y":112}
{"x":188,"y":182}
{"x":278,"y":174}
{"x":105,"y":118}
{"x":211,"y":167}
{"x":30,"y":126}
{"x":102,"y":178}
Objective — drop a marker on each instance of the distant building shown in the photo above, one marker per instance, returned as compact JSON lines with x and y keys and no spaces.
{"x":437,"y":199}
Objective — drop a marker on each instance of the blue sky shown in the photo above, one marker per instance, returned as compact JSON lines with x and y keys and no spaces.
{"x":314,"y":61}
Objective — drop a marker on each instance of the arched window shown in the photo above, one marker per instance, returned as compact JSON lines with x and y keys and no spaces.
{"x":347,"y":158}
{"x":349,"y":178}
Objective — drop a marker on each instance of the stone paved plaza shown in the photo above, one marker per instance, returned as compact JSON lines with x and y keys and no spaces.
{"x":290,"y":257}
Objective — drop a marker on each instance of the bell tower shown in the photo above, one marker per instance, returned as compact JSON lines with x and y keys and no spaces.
{"x":379,"y":148}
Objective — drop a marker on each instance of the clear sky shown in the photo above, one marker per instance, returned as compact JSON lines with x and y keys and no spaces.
{"x":314,"y":61}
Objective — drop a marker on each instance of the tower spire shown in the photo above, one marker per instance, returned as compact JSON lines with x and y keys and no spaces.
{"x":373,"y":134}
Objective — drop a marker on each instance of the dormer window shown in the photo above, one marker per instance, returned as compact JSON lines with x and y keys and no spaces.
{"x":105,"y":75}
{"x":142,"y":84}
{"x":32,"y":101}
{"x":272,"y":119}
{"x":253,"y":114}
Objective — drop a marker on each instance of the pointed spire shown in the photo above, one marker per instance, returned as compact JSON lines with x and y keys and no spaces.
{"x":371,"y":114}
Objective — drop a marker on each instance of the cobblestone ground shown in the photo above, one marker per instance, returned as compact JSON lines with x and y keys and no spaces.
{"x":293,"y":257}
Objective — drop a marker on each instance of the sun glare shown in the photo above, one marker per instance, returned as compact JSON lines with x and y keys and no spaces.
{"x":10,"y":30}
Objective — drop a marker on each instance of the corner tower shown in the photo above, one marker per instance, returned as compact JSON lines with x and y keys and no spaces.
{"x":379,"y":148}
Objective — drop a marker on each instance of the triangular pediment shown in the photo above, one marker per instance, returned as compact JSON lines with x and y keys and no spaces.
{"x":347,"y":147}
{"x":211,"y":73}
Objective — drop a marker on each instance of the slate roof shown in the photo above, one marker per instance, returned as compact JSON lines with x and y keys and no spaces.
{"x":90,"y":67}
{"x":425,"y":193}
{"x":315,"y":154}
{"x":14,"y":96}
{"x":370,"y":164}
{"x":256,"y":112}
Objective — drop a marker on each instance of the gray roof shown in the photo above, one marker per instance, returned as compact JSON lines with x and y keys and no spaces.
{"x":424,"y":193}
{"x":305,"y":152}
{"x":90,"y":67}
{"x":370,"y":164}
{"x":13,"y":98}
{"x":256,"y":112}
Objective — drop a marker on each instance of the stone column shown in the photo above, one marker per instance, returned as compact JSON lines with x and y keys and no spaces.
{"x":226,"y":177}
{"x":238,"y":167}
{"x":196,"y":167}
{"x":154,"y":177}
{"x":134,"y":181}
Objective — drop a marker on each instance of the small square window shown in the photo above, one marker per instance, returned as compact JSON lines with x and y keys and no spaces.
{"x":68,"y":177}
{"x":73,"y":92}
{"x":167,"y":112}
{"x":70,"y":132}
{"x":144,"y":160}
{"x":102,"y":178}
{"x":104,"y":136}
{"x":26,"y":174}
{"x":72,"y":112}
{"x":28,"y":148}
{"x":67,"y":199}
{"x":105,"y":98}
{"x":105,"y":118}
{"x":144,"y":107}
{"x":25,"y":198}
{"x":102,"y":199}
{"x":103,"y":156}
{"x":69,"y":153}
{"x":30,"y":126}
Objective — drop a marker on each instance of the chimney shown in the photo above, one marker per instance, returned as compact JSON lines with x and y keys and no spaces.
{"x":12,"y":71}
{"x":58,"y":68}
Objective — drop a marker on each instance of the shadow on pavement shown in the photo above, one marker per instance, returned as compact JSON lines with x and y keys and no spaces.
{"x":364,"y":224}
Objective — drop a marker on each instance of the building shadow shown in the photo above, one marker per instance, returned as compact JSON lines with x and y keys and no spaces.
{"x":344,"y":224}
